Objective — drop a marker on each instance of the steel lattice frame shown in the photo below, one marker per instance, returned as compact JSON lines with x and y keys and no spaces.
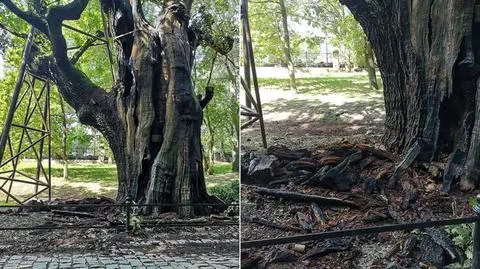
{"x":253,"y":107}
{"x":32,"y":93}
{"x":37,"y":140}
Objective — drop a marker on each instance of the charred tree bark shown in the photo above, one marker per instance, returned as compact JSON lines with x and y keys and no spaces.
{"x":428,"y":53}
{"x":151,"y":118}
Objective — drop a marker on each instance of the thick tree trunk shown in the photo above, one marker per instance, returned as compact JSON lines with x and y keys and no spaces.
{"x":286,"y":46}
{"x":151,"y":118}
{"x":427,"y":53}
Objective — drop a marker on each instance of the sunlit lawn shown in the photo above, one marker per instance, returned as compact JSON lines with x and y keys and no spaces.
{"x":353,"y":86}
{"x":91,"y":180}
{"x":329,"y":98}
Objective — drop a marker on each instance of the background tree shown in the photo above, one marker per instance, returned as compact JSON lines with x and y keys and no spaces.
{"x":286,"y":45}
{"x":346,"y":34}
{"x":428,"y":55}
{"x":277,"y":42}
{"x":222,"y":71}
{"x":151,"y":117}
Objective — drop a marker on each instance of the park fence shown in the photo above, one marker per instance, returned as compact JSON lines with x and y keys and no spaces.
{"x":126,"y":220}
{"x":380,"y":229}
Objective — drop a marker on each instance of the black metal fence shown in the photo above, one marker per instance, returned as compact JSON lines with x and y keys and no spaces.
{"x":380,"y":229}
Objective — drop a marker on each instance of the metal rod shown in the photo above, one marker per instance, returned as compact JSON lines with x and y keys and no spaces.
{"x":248,"y":94}
{"x":83,"y":32}
{"x":93,"y":45}
{"x":35,"y":194}
{"x":353,"y":232}
{"x":49,"y":180}
{"x":109,"y":51}
{"x":249,"y":48}
{"x":16,"y":92}
{"x":37,"y":102}
{"x":73,"y":227}
{"x":250,"y":114}
{"x":24,"y":181}
{"x":24,"y":150}
{"x":29,"y":128}
{"x":246,"y":67}
{"x":248,"y":109}
{"x":15,"y":158}
{"x":42,"y":143}
{"x":10,"y":195}
{"x":57,"y":227}
{"x":38,"y":155}
{"x":22,"y":97}
{"x":248,"y":123}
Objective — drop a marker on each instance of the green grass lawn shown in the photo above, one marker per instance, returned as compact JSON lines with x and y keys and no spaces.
{"x":80,"y":172}
{"x":328,"y":99}
{"x":354,"y":85}
{"x":90,"y":180}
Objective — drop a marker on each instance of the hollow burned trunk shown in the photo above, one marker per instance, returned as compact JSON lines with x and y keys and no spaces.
{"x":151,"y":118}
{"x":428,"y":54}
{"x":159,"y":156}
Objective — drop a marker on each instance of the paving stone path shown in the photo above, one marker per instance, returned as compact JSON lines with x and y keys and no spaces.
{"x":91,"y":261}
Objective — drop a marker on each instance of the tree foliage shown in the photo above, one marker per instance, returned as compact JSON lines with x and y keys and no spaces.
{"x":218,"y":18}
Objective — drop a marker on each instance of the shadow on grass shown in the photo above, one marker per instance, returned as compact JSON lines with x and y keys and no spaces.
{"x":298,"y":111}
{"x":71,"y":192}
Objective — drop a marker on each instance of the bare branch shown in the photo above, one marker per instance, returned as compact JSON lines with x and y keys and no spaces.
{"x":88,"y":43}
{"x":27,"y":16}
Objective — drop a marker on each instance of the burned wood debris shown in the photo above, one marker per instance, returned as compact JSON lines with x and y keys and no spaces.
{"x":337,"y":169}
{"x":346,"y":186}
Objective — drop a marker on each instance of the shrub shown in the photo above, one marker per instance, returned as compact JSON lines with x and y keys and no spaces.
{"x":228,"y":192}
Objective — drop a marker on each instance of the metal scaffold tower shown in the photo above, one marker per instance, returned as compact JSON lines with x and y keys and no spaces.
{"x":27,"y":132}
{"x":253,"y":107}
{"x":28,"y":124}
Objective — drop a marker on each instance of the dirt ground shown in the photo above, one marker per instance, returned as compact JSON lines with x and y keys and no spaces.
{"x":317,"y":122}
{"x":172,"y":240}
{"x":315,"y":117}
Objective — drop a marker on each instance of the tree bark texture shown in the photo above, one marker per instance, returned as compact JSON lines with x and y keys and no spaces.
{"x":151,"y":118}
{"x":428,"y":53}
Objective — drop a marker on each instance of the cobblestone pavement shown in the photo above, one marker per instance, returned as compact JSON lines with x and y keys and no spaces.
{"x":167,"y":254}
{"x":87,"y":261}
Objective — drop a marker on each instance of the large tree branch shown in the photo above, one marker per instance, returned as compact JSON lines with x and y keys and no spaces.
{"x":360,"y":9}
{"x":91,"y":102}
{"x":70,"y":11}
{"x":27,"y":16}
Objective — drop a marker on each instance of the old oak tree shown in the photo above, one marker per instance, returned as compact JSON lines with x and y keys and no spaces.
{"x":151,"y":117}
